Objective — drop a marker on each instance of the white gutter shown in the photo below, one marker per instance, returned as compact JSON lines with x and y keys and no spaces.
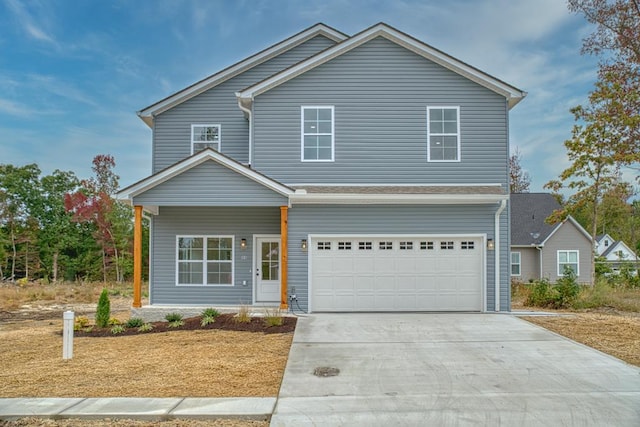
{"x":496,"y":239}
{"x":247,"y":111}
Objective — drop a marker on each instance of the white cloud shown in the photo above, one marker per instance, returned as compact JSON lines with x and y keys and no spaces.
{"x":34,"y":27}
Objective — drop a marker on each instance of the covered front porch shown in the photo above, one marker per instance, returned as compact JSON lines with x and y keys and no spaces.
{"x":218,"y":235}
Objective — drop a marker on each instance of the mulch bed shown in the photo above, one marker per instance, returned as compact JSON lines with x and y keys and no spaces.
{"x":227,"y":322}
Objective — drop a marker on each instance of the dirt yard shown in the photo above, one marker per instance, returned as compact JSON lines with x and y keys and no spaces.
{"x":615,"y":334}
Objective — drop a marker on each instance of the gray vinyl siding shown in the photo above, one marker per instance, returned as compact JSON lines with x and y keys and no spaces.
{"x":210,"y":184}
{"x":529,"y":264}
{"x":567,"y":238}
{"x":240,"y":222}
{"x":172,"y":129}
{"x":379,"y":219}
{"x":380,"y":92}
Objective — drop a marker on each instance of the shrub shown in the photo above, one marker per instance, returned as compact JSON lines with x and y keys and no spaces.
{"x":273,"y":317}
{"x":134,"y":322}
{"x":541,"y":294}
{"x":80,"y":323}
{"x":243,"y":314}
{"x":117,"y":329}
{"x":145,"y":327}
{"x":566,"y":289}
{"x":174,"y":319}
{"x":103,"y":311}
{"x":113,"y":321}
{"x":207,"y":320}
{"x":210,"y":312}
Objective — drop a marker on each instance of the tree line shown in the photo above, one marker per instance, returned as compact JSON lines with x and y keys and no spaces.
{"x":60,"y":227}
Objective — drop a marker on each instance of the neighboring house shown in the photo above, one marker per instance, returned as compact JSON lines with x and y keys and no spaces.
{"x":614,"y":252}
{"x":362,"y":173}
{"x":540,"y":250}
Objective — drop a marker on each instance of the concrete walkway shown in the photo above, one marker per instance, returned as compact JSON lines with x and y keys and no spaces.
{"x":408,"y":369}
{"x":259,"y":408}
{"x":450,"y":369}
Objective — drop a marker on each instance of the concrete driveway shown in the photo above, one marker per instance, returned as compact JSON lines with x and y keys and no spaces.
{"x":450,"y":370}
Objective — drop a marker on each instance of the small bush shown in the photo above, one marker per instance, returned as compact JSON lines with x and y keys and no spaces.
{"x":566,"y":289}
{"x":206,"y":320}
{"x":145,"y":327}
{"x":103,"y":311}
{"x":210,"y":312}
{"x":540,"y":295}
{"x":134,"y":322}
{"x":117,"y":329}
{"x":174,"y":319}
{"x":243,"y":314}
{"x":113,"y":321}
{"x":273,"y":317}
{"x":80,"y":323}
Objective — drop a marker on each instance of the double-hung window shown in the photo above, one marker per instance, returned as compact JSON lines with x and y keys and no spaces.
{"x":205,"y":136}
{"x":443,"y":134}
{"x":568,"y":259}
{"x":516,"y":264}
{"x":317,"y":134}
{"x":205,"y":260}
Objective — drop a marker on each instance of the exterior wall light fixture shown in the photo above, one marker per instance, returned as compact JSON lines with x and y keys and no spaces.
{"x":491,"y":245}
{"x":243,"y":244}
{"x":303,"y":244}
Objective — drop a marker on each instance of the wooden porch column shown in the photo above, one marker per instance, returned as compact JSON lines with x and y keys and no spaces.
{"x":284,"y":249}
{"x":137,"y":258}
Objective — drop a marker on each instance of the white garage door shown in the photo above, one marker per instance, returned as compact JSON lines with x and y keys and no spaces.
{"x":396,"y":274}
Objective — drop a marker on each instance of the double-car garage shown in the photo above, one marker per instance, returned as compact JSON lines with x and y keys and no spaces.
{"x":396,"y":273}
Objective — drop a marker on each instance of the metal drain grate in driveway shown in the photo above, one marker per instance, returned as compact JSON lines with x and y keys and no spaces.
{"x":326,"y":371}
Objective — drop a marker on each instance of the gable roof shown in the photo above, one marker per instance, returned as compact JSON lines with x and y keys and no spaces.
{"x":511,"y":93}
{"x":147,"y":113}
{"x":208,"y":154}
{"x":618,"y":246}
{"x":528,"y":214}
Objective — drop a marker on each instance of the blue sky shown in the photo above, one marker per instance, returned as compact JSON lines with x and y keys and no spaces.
{"x":73,"y":73}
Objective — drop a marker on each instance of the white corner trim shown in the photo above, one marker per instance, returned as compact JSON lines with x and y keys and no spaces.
{"x":496,"y":242}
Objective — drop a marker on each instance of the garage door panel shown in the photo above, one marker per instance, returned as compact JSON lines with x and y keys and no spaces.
{"x":397,"y":274}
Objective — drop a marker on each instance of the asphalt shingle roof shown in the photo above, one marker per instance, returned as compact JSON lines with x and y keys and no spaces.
{"x":528,"y":214}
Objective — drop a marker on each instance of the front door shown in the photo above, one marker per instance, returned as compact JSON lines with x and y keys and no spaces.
{"x":268,"y":269}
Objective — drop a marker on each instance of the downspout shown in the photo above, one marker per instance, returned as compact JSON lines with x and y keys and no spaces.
{"x":496,"y":239}
{"x":248,"y":113}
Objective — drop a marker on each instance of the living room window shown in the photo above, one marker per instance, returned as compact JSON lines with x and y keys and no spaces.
{"x":205,"y":260}
{"x":205,"y":136}
{"x":568,"y":259}
{"x":443,"y":134}
{"x":515,"y":264}
{"x":317,"y":134}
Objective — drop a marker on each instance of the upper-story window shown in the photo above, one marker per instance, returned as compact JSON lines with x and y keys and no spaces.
{"x":443,"y":134}
{"x":317,"y":134}
{"x":205,"y":136}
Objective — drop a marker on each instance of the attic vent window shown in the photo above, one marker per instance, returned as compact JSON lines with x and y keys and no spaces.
{"x":205,"y":136}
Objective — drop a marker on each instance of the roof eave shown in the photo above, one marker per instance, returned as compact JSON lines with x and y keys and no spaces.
{"x":422,"y":199}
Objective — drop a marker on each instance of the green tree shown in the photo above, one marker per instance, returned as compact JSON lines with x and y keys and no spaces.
{"x":616,"y":40}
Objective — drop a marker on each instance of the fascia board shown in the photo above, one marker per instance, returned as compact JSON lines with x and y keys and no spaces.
{"x":420,"y":199}
{"x":513,"y":94}
{"x":165,"y":104}
{"x":572,"y":221}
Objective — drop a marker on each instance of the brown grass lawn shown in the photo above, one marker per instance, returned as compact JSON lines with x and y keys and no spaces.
{"x":201,"y":363}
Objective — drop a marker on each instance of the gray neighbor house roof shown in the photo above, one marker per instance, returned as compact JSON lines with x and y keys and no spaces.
{"x":528,"y":214}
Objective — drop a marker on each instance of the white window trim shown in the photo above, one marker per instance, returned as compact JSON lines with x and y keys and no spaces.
{"x":205,"y":260}
{"x":561,"y":273}
{"x":459,"y":154}
{"x":194,"y":125}
{"x":519,"y":264}
{"x":333,"y":133}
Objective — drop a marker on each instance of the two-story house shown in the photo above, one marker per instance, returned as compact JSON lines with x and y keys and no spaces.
{"x":334,"y":173}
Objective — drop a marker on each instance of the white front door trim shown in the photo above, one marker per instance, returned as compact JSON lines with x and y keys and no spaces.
{"x":256,"y":264}
{"x":311,"y":238}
